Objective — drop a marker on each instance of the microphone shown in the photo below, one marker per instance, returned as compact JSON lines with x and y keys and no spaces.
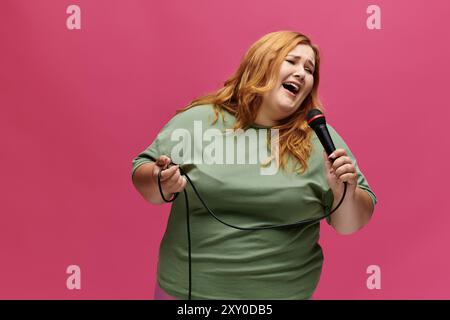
{"x":316,"y":121}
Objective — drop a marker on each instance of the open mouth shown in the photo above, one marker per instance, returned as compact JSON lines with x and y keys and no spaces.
{"x":291,"y":87}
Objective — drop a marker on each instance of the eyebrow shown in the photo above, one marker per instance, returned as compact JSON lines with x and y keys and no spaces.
{"x":298,"y":57}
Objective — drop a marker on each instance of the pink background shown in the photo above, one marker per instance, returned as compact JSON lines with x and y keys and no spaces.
{"x":78,"y":105}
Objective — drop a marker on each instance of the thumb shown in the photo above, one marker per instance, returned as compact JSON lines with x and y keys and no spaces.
{"x":163,"y":161}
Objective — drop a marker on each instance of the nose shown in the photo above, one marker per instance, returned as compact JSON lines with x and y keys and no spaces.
{"x":300,"y":73}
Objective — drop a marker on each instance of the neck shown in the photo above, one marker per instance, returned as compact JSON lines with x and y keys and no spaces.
{"x":264,"y":120}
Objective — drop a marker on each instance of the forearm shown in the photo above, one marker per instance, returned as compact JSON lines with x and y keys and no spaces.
{"x":147,"y":185}
{"x":354,"y":212}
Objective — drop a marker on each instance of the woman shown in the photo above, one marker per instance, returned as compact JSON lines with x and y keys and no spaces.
{"x":273,"y":89}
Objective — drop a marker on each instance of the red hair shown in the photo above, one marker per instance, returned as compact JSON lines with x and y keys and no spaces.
{"x":258,"y":73}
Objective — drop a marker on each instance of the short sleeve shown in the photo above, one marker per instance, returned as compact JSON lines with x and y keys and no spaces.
{"x":156,"y":148}
{"x":168,"y":138}
{"x":339,"y":143}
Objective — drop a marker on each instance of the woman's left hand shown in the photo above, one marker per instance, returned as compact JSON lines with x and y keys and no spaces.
{"x":340,"y":171}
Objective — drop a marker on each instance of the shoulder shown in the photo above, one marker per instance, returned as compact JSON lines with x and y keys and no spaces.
{"x":185,"y":119}
{"x":198,"y":113}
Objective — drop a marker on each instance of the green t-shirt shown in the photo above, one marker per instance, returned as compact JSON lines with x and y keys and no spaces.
{"x":233,"y":264}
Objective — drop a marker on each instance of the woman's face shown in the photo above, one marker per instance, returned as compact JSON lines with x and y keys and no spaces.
{"x":296,"y":69}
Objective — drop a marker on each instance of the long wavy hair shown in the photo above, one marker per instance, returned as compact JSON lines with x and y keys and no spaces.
{"x":242,"y":94}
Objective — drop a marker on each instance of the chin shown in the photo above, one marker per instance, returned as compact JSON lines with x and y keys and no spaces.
{"x":289,"y":105}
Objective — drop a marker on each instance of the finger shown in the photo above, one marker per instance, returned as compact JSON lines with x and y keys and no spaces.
{"x":180,"y":182}
{"x":348,"y":177}
{"x":160,"y":162}
{"x":168,"y":173}
{"x":180,"y":185}
{"x":167,"y":161}
{"x":175,"y":177}
{"x":337,"y":153}
{"x":346,"y":168}
{"x":341,"y":161}
{"x":163,"y":161}
{"x":162,"y":158}
{"x":177,"y":186}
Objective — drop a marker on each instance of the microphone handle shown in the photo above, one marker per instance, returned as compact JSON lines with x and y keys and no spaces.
{"x":325,"y":138}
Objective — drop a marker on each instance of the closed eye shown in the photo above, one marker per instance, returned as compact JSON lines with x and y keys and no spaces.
{"x":292,"y":62}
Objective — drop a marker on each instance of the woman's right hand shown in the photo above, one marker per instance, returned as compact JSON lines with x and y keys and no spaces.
{"x":171,"y":179}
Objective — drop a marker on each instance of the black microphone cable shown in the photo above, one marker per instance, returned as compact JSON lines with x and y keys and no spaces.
{"x":287,"y":225}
